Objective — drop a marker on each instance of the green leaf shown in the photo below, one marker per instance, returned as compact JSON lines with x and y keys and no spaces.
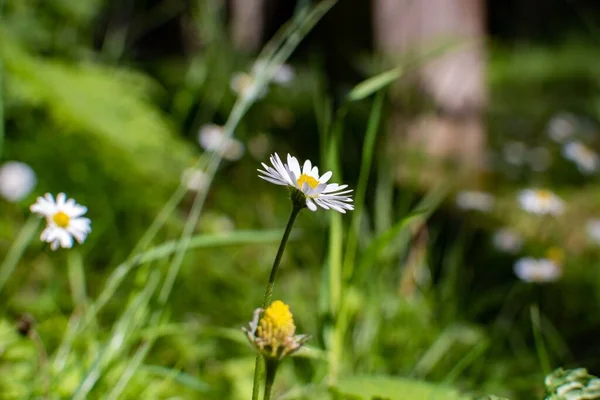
{"x":180,"y":377}
{"x":392,"y":388}
{"x":374,"y":84}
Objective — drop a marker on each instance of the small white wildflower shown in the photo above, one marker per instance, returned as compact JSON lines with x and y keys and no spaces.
{"x":507,"y":240}
{"x":539,"y":158}
{"x":245,"y":85}
{"x":17,"y":180}
{"x":474,"y":200}
{"x":587,"y":161}
{"x":194,"y":179}
{"x":541,"y":270}
{"x":64,"y":220}
{"x":541,"y":201}
{"x":212,"y":138}
{"x":561,"y":127}
{"x":593,"y":230}
{"x":515,"y":153}
{"x":308,"y":182}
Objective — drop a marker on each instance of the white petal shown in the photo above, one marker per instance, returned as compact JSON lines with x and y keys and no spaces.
{"x":311,"y":206}
{"x":43,"y":207}
{"x":66,"y":240}
{"x":307,"y":167}
{"x":315,"y":172}
{"x":326,"y":177}
{"x":294,"y":165}
{"x":277,"y":182}
{"x":60,"y":200}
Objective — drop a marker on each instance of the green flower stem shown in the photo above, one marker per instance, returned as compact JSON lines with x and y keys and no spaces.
{"x":271,"y":370}
{"x":297,"y":207}
{"x":273,"y":274}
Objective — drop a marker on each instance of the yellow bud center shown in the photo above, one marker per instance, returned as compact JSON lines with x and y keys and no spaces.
{"x":544,"y":194}
{"x":61,"y":219}
{"x":277,"y":324}
{"x":312,"y":182}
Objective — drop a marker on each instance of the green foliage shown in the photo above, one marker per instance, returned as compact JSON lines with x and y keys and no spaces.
{"x":391,"y":388}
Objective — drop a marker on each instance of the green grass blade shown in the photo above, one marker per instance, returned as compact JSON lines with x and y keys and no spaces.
{"x":361,"y":187}
{"x":375,"y":84}
{"x":423,"y":210}
{"x":77,"y":278}
{"x":182,"y":378}
{"x":132,"y":319}
{"x":17,"y":249}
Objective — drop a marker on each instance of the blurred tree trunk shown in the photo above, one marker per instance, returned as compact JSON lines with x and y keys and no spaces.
{"x":454,"y":81}
{"x":247,"y":24}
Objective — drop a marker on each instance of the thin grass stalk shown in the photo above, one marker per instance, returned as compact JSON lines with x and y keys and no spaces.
{"x":335,"y":259}
{"x":132,"y":367}
{"x":361,"y":187}
{"x":131,"y":320}
{"x":538,"y":339}
{"x":17,"y":249}
{"x":77,"y":279}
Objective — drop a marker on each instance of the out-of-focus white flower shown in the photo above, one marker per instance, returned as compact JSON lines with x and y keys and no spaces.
{"x":64,"y":220}
{"x":592,"y":228}
{"x":474,"y":200}
{"x":561,"y":127}
{"x":507,"y":240}
{"x":245,"y":85}
{"x":539,"y":158}
{"x":586,"y":160}
{"x":306,"y":181}
{"x":541,"y":201}
{"x":259,"y":146}
{"x":17,"y":180}
{"x":194,"y":179}
{"x":515,"y":153}
{"x":212,"y":138}
{"x":283,"y":75}
{"x":540,"y":270}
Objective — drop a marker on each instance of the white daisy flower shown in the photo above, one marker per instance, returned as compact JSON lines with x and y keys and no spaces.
{"x":64,"y":220}
{"x":245,"y":85}
{"x":541,"y":201}
{"x":507,"y":240}
{"x":194,"y":179}
{"x":561,"y":127}
{"x":474,"y":200}
{"x":541,"y":270}
{"x":314,"y":187}
{"x":17,"y":180}
{"x":586,"y":160}
{"x":212,"y":138}
{"x":593,"y":230}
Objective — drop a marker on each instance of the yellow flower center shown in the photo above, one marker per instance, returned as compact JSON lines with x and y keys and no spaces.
{"x":312,"y":182}
{"x":61,"y":219}
{"x":544,"y":194}
{"x":276,"y":325}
